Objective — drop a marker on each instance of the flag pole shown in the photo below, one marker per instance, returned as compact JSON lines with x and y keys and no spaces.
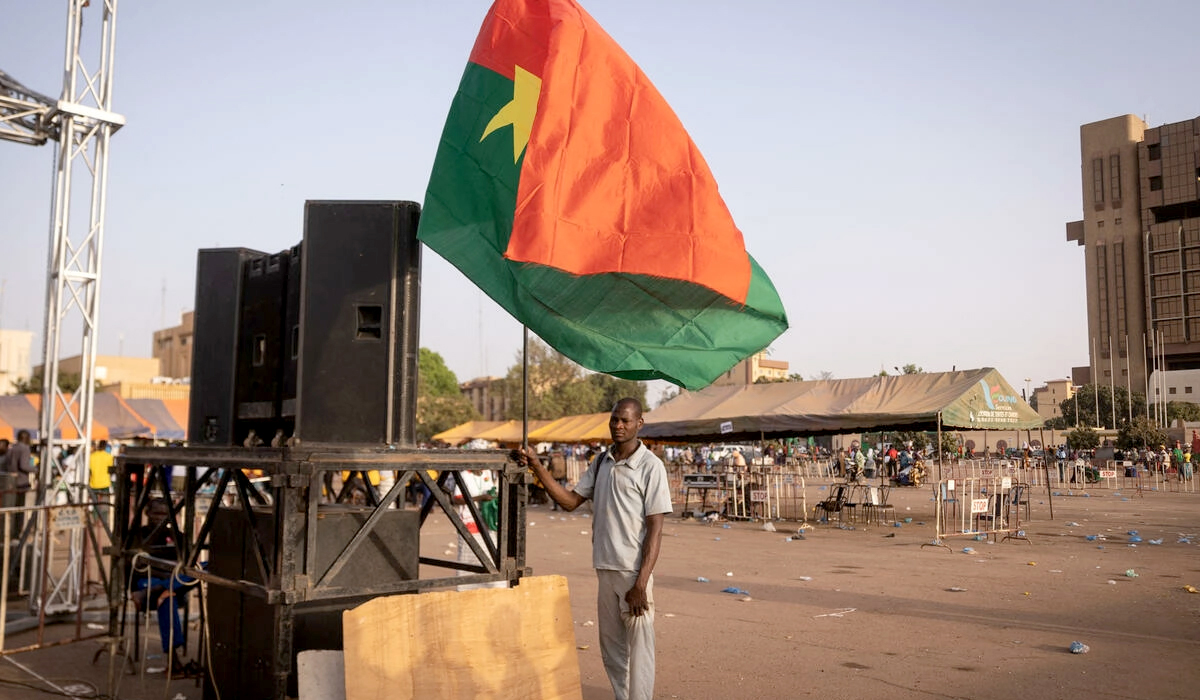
{"x":524,"y":386}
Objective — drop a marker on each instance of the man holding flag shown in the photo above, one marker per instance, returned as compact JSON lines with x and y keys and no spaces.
{"x":628,"y":486}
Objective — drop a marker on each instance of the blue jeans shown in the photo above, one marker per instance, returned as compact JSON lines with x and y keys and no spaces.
{"x":169,"y":627}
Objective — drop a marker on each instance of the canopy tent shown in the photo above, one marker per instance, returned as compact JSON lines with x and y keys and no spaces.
{"x":510,"y":431}
{"x":18,"y":413}
{"x":158,"y":418}
{"x":977,"y":399}
{"x":467,"y":431}
{"x":6,"y":432}
{"x":583,"y":428}
{"x":111,"y":412}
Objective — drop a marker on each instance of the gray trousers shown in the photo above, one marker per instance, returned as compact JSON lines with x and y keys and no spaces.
{"x":626,"y":642}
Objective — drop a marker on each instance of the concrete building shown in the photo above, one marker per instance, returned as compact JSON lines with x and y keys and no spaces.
{"x":15,"y":352}
{"x":111,"y":369}
{"x":754,"y":368}
{"x":487,"y":395}
{"x":1141,"y":237}
{"x":1049,"y":397}
{"x":173,"y":349}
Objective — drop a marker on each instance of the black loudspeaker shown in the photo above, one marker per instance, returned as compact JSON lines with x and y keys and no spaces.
{"x":358,"y":323}
{"x":318,"y":342}
{"x":214,"y":344}
{"x":261,"y":346}
{"x":242,"y":626}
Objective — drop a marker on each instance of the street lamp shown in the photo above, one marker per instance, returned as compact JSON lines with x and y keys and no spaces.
{"x":1026,"y":394}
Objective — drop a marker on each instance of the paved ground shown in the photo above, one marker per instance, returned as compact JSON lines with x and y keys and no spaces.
{"x":866,"y":612}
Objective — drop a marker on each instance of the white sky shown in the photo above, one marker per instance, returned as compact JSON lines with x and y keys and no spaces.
{"x":902,"y":171}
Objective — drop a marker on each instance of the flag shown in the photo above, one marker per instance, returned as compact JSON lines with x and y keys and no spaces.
{"x":567,"y":190}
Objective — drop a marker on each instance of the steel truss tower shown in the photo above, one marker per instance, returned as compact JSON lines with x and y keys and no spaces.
{"x":82,"y":122}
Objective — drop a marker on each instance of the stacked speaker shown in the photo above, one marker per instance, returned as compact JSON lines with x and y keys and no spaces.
{"x":317,"y":343}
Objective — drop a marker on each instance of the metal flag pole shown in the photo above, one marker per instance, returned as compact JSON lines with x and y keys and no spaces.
{"x":1112,"y":387}
{"x":1146,"y":371}
{"x":1128,"y":383}
{"x":524,"y":386}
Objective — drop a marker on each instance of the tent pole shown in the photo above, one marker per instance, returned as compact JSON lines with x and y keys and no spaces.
{"x":1046,"y":464}
{"x":939,"y":439}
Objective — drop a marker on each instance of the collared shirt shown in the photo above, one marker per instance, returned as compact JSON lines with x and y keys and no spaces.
{"x":624,"y":493}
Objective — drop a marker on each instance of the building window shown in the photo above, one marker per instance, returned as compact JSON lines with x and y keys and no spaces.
{"x":1187,"y":389}
{"x":1114,"y":177}
{"x":1099,"y":224}
{"x":1098,"y":180}
{"x":1117,"y":221}
{"x":1107,"y":373}
{"x":1156,"y":183}
{"x":1171,"y":390}
{"x":1154,"y":151}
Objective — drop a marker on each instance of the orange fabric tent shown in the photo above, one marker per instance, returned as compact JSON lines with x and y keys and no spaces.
{"x":467,"y":431}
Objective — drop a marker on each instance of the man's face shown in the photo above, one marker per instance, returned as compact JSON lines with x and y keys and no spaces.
{"x":624,"y":423}
{"x":156,"y":514}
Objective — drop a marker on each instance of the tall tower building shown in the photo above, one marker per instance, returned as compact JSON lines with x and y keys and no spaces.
{"x":1141,"y":238}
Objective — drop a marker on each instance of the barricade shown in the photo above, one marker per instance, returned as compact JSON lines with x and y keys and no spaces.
{"x":35,"y":568}
{"x":767,"y":494}
{"x":978,"y":508}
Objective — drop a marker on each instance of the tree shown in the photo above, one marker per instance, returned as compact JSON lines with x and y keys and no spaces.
{"x":919,"y":439}
{"x":434,"y":378}
{"x":1140,"y":432}
{"x":1182,"y":410}
{"x":949,"y":444}
{"x":67,"y":383}
{"x":912,"y":369}
{"x":440,"y":403}
{"x":558,"y":387}
{"x":823,"y":376}
{"x":1083,"y":405}
{"x":1083,"y":439}
{"x":613,"y":389}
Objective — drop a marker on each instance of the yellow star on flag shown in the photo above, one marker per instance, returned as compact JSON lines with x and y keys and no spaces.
{"x":519,"y":111}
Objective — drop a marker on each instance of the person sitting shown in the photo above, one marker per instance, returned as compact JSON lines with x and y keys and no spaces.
{"x":162,"y":589}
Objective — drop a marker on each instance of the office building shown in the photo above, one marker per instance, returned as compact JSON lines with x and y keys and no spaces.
{"x":1141,"y":237}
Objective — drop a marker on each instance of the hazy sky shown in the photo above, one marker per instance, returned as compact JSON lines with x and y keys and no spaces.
{"x":902,"y":170}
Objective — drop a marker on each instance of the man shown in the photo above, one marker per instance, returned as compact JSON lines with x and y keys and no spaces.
{"x":628,"y":486}
{"x":99,"y":464}
{"x":558,"y":470}
{"x":163,"y":590}
{"x":19,"y":461}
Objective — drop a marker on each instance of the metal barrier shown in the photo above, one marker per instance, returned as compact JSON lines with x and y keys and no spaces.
{"x":758,"y":494}
{"x":37,"y":564}
{"x":979,"y":508}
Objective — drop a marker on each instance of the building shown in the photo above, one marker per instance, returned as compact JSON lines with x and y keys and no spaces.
{"x":173,"y":349}
{"x":15,"y":351}
{"x":487,"y":395}
{"x":1141,"y":238}
{"x":111,"y":369}
{"x":1049,"y":397}
{"x":757,"y":367}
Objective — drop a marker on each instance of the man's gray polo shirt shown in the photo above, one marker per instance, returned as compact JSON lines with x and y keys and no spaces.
{"x":623,"y":493}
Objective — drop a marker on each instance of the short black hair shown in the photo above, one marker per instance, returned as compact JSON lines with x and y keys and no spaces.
{"x":631,"y":402}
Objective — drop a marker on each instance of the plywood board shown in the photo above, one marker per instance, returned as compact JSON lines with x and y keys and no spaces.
{"x":479,"y":644}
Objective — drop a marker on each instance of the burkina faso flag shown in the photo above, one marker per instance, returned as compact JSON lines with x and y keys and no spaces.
{"x":566,"y":188}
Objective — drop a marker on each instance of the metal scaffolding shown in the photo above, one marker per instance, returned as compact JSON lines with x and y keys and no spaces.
{"x":81,"y":121}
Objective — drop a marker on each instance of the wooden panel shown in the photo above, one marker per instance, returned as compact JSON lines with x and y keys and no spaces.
{"x":486,"y":643}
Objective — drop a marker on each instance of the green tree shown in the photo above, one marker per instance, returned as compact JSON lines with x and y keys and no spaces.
{"x":919,"y":439}
{"x":434,"y":378}
{"x":67,"y":382}
{"x":612,"y":389}
{"x":440,"y":403}
{"x":949,"y":444}
{"x":912,"y":369}
{"x":557,"y":386}
{"x":1140,"y":432}
{"x":1083,"y":405}
{"x":1083,"y":439}
{"x":1182,"y":410}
